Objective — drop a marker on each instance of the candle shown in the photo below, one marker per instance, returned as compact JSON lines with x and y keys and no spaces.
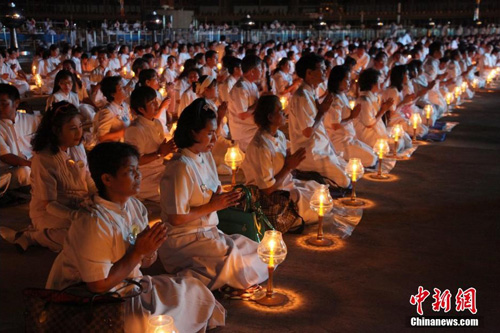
{"x":449,"y":98}
{"x":381,"y":150}
{"x":475,"y":83}
{"x":233,"y":160}
{"x":124,"y":71}
{"x":464,"y":87}
{"x":458,"y":92}
{"x":272,"y":244}
{"x":283,"y":101}
{"x":321,"y":205}
{"x":33,"y":70}
{"x":352,"y":104}
{"x":160,"y":70}
{"x":354,"y":169}
{"x":428,"y":111}
{"x":163,"y":92}
{"x":219,"y":66}
{"x":182,"y":69}
{"x":38,"y":80}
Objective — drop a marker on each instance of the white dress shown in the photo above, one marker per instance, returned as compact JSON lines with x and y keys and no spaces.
{"x":243,"y":95}
{"x":146,"y":136}
{"x":98,"y":238}
{"x":62,"y":178}
{"x":402,"y":114}
{"x":15,"y":138}
{"x":197,"y":248}
{"x":111,"y":118}
{"x":320,"y":154}
{"x":265,"y":158}
{"x":86,"y":110}
{"x":344,"y":139}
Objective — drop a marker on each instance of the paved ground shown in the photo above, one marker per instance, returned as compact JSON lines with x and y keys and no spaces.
{"x":437,"y":226}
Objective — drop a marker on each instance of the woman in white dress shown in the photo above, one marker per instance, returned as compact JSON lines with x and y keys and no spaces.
{"x":369,"y":125}
{"x":285,"y":85}
{"x":64,"y":90}
{"x":149,"y":78}
{"x":190,"y":198}
{"x":339,"y":120}
{"x":111,"y":121}
{"x":147,"y":135}
{"x":60,"y":179}
{"x":403,"y":107}
{"x":110,"y":241}
{"x":268,"y":164}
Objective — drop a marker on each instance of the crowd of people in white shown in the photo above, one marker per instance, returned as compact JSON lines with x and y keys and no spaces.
{"x":153,"y":123}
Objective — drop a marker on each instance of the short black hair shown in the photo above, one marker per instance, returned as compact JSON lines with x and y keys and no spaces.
{"x":107,"y":158}
{"x":368,"y":78}
{"x":337,"y":74}
{"x":138,"y":64}
{"x":147,"y":74}
{"x":9,"y":90}
{"x":306,"y":62}
{"x":108,"y":86}
{"x":140,"y":97}
{"x":250,"y":62}
{"x":231,"y":63}
{"x":210,"y":54}
{"x":436,"y":46}
{"x":265,"y":106}
{"x":194,"y":118}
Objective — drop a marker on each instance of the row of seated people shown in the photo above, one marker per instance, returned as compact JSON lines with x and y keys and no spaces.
{"x":85,"y":206}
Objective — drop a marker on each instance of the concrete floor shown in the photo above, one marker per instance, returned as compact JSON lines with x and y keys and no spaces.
{"x":437,"y":226}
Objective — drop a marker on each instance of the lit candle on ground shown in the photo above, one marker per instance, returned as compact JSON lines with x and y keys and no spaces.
{"x":283,"y":102}
{"x":354,"y":169}
{"x":272,"y":250}
{"x":381,"y":148}
{"x":322,"y":203}
{"x":428,"y":113}
{"x":233,"y":159}
{"x":416,"y":120}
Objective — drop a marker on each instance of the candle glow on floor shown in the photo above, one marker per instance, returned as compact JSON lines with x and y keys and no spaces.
{"x":295,"y":301}
{"x":338,"y":243}
{"x":391,"y":178}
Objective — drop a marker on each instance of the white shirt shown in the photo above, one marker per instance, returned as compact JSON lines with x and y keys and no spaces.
{"x":303,"y":111}
{"x":97,"y":239}
{"x":265,"y":157}
{"x":225,"y":88}
{"x":367,"y":117}
{"x":63,"y":177}
{"x":189,"y":181}
{"x":15,"y":137}
{"x":283,"y":81}
{"x":339,"y":110}
{"x":243,"y":95}
{"x":60,"y":96}
{"x":111,"y":118}
{"x":187,"y":98}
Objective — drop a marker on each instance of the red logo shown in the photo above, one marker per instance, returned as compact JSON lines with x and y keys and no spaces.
{"x":464,"y":300}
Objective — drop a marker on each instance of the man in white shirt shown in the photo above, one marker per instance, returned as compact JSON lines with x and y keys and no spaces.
{"x":243,"y":100}
{"x":233,"y":66}
{"x":211,"y":59}
{"x":362,"y":59}
{"x":16,"y":129}
{"x":306,"y":126}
